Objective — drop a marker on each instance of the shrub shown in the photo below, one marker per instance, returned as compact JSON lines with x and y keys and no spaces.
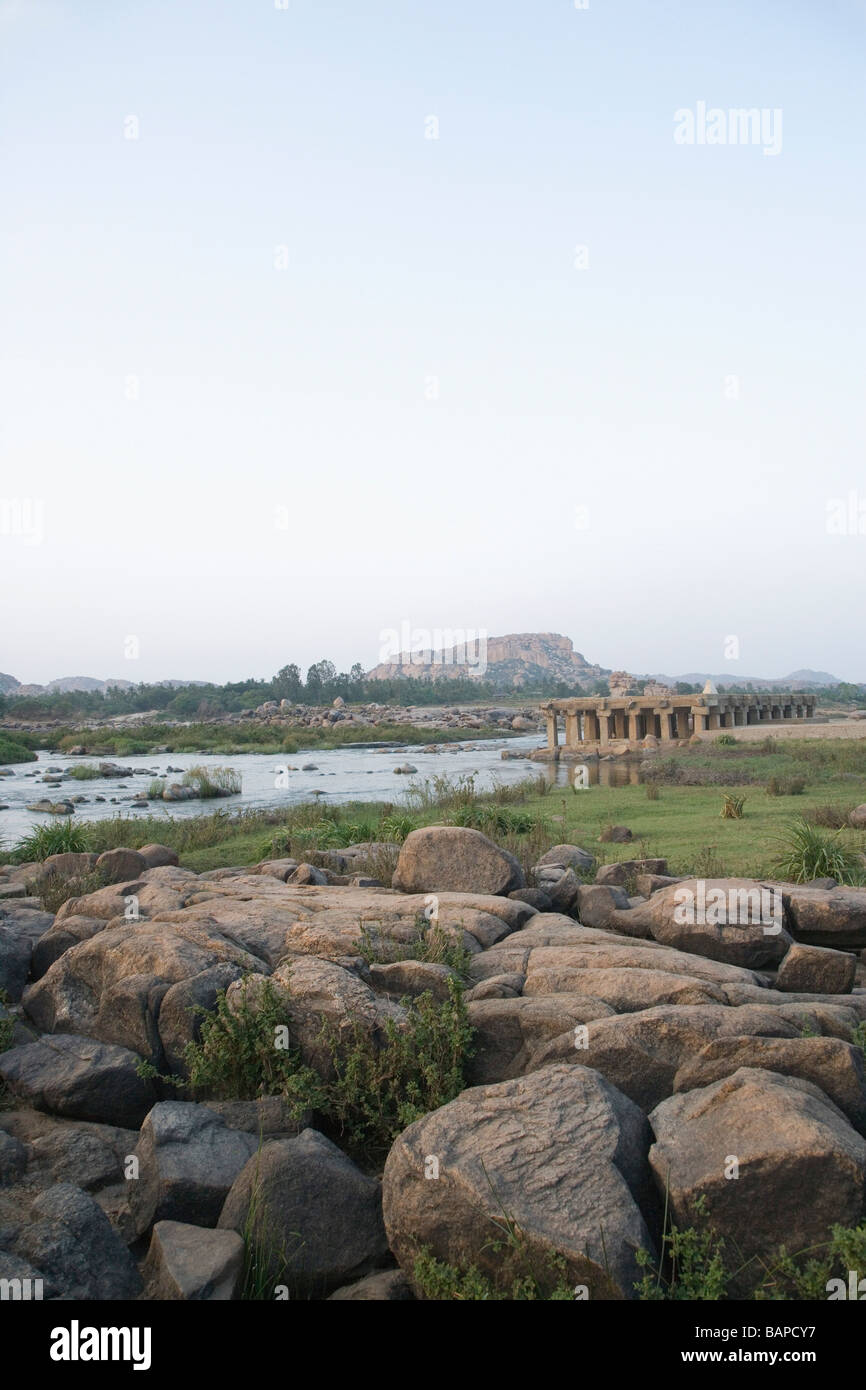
{"x":726,"y":741}
{"x":380,"y":1087}
{"x":786,"y":786}
{"x":732,"y":806}
{"x":806,"y":853}
{"x":11,"y":751}
{"x":377,"y":1086}
{"x":652,"y":791}
{"x":237,"y":1056}
{"x":829,"y":816}
{"x":692,"y":1265}
{"x":84,"y":772}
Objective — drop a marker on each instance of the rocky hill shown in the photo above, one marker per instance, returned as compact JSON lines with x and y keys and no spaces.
{"x":515,"y":660}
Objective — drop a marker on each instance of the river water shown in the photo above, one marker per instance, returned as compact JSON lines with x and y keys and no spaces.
{"x":336,"y":775}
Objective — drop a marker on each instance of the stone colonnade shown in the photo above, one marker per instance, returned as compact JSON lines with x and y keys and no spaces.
{"x":596,"y":723}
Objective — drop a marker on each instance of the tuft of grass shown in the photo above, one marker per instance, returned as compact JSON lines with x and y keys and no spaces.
{"x":732,"y":806}
{"x":84,"y":772}
{"x":805,"y":852}
{"x":209,"y":782}
{"x":726,"y":741}
{"x":62,"y":837}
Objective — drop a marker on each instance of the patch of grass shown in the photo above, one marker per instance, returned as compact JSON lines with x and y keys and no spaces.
{"x":527,"y":1280}
{"x":726,"y":741}
{"x":698,"y":1266}
{"x":732,"y":806}
{"x":806,"y":852}
{"x":692,"y":1265}
{"x":84,"y":772}
{"x":62,"y":837}
{"x":54,"y":890}
{"x":209,"y":782}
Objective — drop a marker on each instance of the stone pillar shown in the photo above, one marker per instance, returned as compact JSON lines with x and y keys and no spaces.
{"x":682,"y":722}
{"x":713,"y":719}
{"x":633,"y":730}
{"x":552,"y":729}
{"x":604,"y":727}
{"x":701,"y":718}
{"x":572,"y":730}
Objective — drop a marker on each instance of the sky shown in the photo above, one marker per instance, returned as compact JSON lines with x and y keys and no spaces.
{"x":321,"y":318}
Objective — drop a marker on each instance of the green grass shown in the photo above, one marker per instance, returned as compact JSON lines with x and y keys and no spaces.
{"x":84,"y":772}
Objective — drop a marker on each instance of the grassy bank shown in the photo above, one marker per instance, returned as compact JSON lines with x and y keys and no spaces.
{"x":675,"y":813}
{"x":246,"y":738}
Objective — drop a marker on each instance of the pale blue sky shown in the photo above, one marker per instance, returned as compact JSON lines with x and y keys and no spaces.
{"x":148,"y":265}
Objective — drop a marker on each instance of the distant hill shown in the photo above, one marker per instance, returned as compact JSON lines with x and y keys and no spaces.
{"x":797,"y":680}
{"x":64,"y":685}
{"x":515,"y":660}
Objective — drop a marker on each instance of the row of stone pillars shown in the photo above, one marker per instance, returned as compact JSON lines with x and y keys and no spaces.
{"x":667,"y":725}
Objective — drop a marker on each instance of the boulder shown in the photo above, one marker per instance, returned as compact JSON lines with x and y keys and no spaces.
{"x":570,"y":857}
{"x":736,"y":920}
{"x":508,"y":1031}
{"x":315,"y":1216}
{"x":857,"y":817}
{"x":69,"y":865}
{"x":71,"y":1237}
{"x":188,"y":1160}
{"x":818,"y":917}
{"x":816,"y":970}
{"x":641,"y":1053}
{"x":80,"y":1078}
{"x":616,"y":835}
{"x":800,"y":1166}
{"x":835,"y":1066}
{"x":560,"y":1154}
{"x":156,"y":856}
{"x":121,"y":865}
{"x":536,"y":898}
{"x":59,"y":938}
{"x":112,"y":986}
{"x":193,"y":1263}
{"x":627,"y":870}
{"x":457,"y":859}
{"x":390,"y":1286}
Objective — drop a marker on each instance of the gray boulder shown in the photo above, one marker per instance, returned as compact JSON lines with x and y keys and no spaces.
{"x":80,"y":1078}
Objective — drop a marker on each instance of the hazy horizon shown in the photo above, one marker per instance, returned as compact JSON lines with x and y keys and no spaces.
{"x":321,"y":318}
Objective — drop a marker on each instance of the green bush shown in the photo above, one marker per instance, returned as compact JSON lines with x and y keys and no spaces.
{"x":521,"y":1279}
{"x":84,"y":772}
{"x":376,"y":1086}
{"x":12,"y":751}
